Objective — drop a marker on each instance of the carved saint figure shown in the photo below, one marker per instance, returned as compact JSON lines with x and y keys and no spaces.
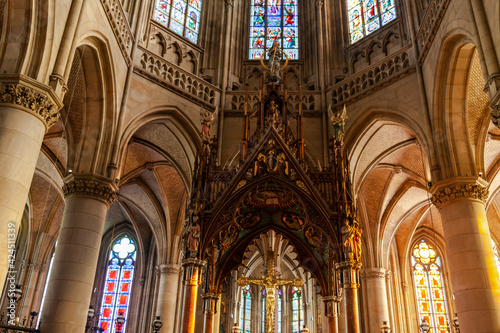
{"x":193,"y":238}
{"x":351,"y":241}
{"x":207,"y":118}
{"x":275,"y":55}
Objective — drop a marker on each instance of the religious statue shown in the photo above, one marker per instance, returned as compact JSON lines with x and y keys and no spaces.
{"x":351,"y":241}
{"x":270,"y":283}
{"x":191,"y":237}
{"x":207,"y":118}
{"x":273,"y":64}
{"x":337,"y":120}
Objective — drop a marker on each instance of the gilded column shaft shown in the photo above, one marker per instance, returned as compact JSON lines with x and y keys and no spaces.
{"x":192,"y":268}
{"x":332,"y":312}
{"x":350,"y":275}
{"x":210,"y":309}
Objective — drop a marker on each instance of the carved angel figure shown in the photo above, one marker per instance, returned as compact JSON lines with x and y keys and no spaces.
{"x":207,"y":118}
{"x":337,"y":120}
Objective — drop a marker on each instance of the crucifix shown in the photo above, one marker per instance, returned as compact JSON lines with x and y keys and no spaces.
{"x":270,"y":283}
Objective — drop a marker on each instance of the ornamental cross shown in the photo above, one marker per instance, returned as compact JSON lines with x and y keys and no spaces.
{"x":270,"y":283}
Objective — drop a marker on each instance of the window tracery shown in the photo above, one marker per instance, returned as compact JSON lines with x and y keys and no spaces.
{"x":119,"y":278}
{"x":366,"y":16}
{"x":297,"y":312}
{"x":427,"y":273}
{"x":246,"y":309}
{"x":180,"y":16}
{"x":274,"y":20}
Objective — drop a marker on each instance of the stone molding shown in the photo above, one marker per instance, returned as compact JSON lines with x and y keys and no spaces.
{"x":88,"y":187}
{"x":172,"y":77}
{"x":168,"y":269}
{"x":369,"y":80}
{"x":429,"y":26}
{"x":34,"y":265}
{"x":447,"y":194}
{"x":29,"y":95}
{"x":495,"y":115}
{"x":119,"y":24}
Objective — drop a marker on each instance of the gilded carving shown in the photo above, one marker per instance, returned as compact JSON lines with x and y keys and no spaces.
{"x":89,"y":188}
{"x":32,"y":100}
{"x":461,"y":191}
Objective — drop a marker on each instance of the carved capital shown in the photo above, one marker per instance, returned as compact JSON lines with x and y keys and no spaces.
{"x":448,"y":193}
{"x":168,"y":269}
{"x":374,"y":273}
{"x":24,"y":93}
{"x":229,"y":3}
{"x":320,"y":3}
{"x":90,"y":187}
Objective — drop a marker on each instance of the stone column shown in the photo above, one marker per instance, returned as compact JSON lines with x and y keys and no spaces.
{"x":471,"y":261}
{"x":73,"y":270}
{"x":332,"y":312}
{"x":27,"y":109}
{"x":192,"y":267}
{"x":350,"y":285}
{"x":376,"y":290}
{"x":210,"y":309}
{"x":167,"y":295}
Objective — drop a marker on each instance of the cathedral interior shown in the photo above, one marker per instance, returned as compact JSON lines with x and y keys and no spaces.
{"x":250,"y":166}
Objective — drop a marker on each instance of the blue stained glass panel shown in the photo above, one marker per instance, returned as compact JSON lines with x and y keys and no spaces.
{"x":367,"y":16}
{"x":181,"y":16}
{"x":270,"y":21}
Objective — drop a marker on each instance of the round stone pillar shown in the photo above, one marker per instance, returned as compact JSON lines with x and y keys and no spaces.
{"x":167,"y":295}
{"x":75,"y":261}
{"x":376,"y":294}
{"x":27,"y":109}
{"x":471,"y":261}
{"x":192,"y":277}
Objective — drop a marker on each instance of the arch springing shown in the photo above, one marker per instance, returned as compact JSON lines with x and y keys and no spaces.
{"x":366,"y":16}
{"x":118,"y":284}
{"x":274,"y":20}
{"x":429,"y":288}
{"x":180,"y":16}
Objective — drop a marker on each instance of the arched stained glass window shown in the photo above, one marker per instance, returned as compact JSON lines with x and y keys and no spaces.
{"x":274,"y":20}
{"x":119,"y":277}
{"x":297,"y":312}
{"x":429,"y":287}
{"x":246,"y":309}
{"x":495,"y":252}
{"x":366,"y":16}
{"x":181,"y":16}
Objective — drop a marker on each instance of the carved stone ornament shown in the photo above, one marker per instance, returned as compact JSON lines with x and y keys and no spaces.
{"x":319,"y":3}
{"x":31,"y":96}
{"x":168,"y":269}
{"x":229,"y":3}
{"x":369,"y":274}
{"x":90,"y":188}
{"x":460,"y":191}
{"x":495,"y":115}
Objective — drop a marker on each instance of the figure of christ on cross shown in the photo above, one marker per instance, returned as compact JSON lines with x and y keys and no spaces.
{"x":270,"y":283}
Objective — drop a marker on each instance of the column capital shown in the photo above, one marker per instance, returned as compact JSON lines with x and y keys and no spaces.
{"x":229,"y":3}
{"x":88,"y":185}
{"x":192,"y":262}
{"x":168,"y":269}
{"x":320,"y":3}
{"x":459,"y":188}
{"x":374,"y":273}
{"x":26,"y":94}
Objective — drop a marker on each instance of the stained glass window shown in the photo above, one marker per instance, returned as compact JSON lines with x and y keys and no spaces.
{"x":366,"y":16}
{"x":297,"y":312}
{"x":495,"y":252}
{"x":274,"y":20}
{"x":429,"y":287}
{"x":246,"y":309}
{"x":181,"y":16}
{"x":119,"y":277}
